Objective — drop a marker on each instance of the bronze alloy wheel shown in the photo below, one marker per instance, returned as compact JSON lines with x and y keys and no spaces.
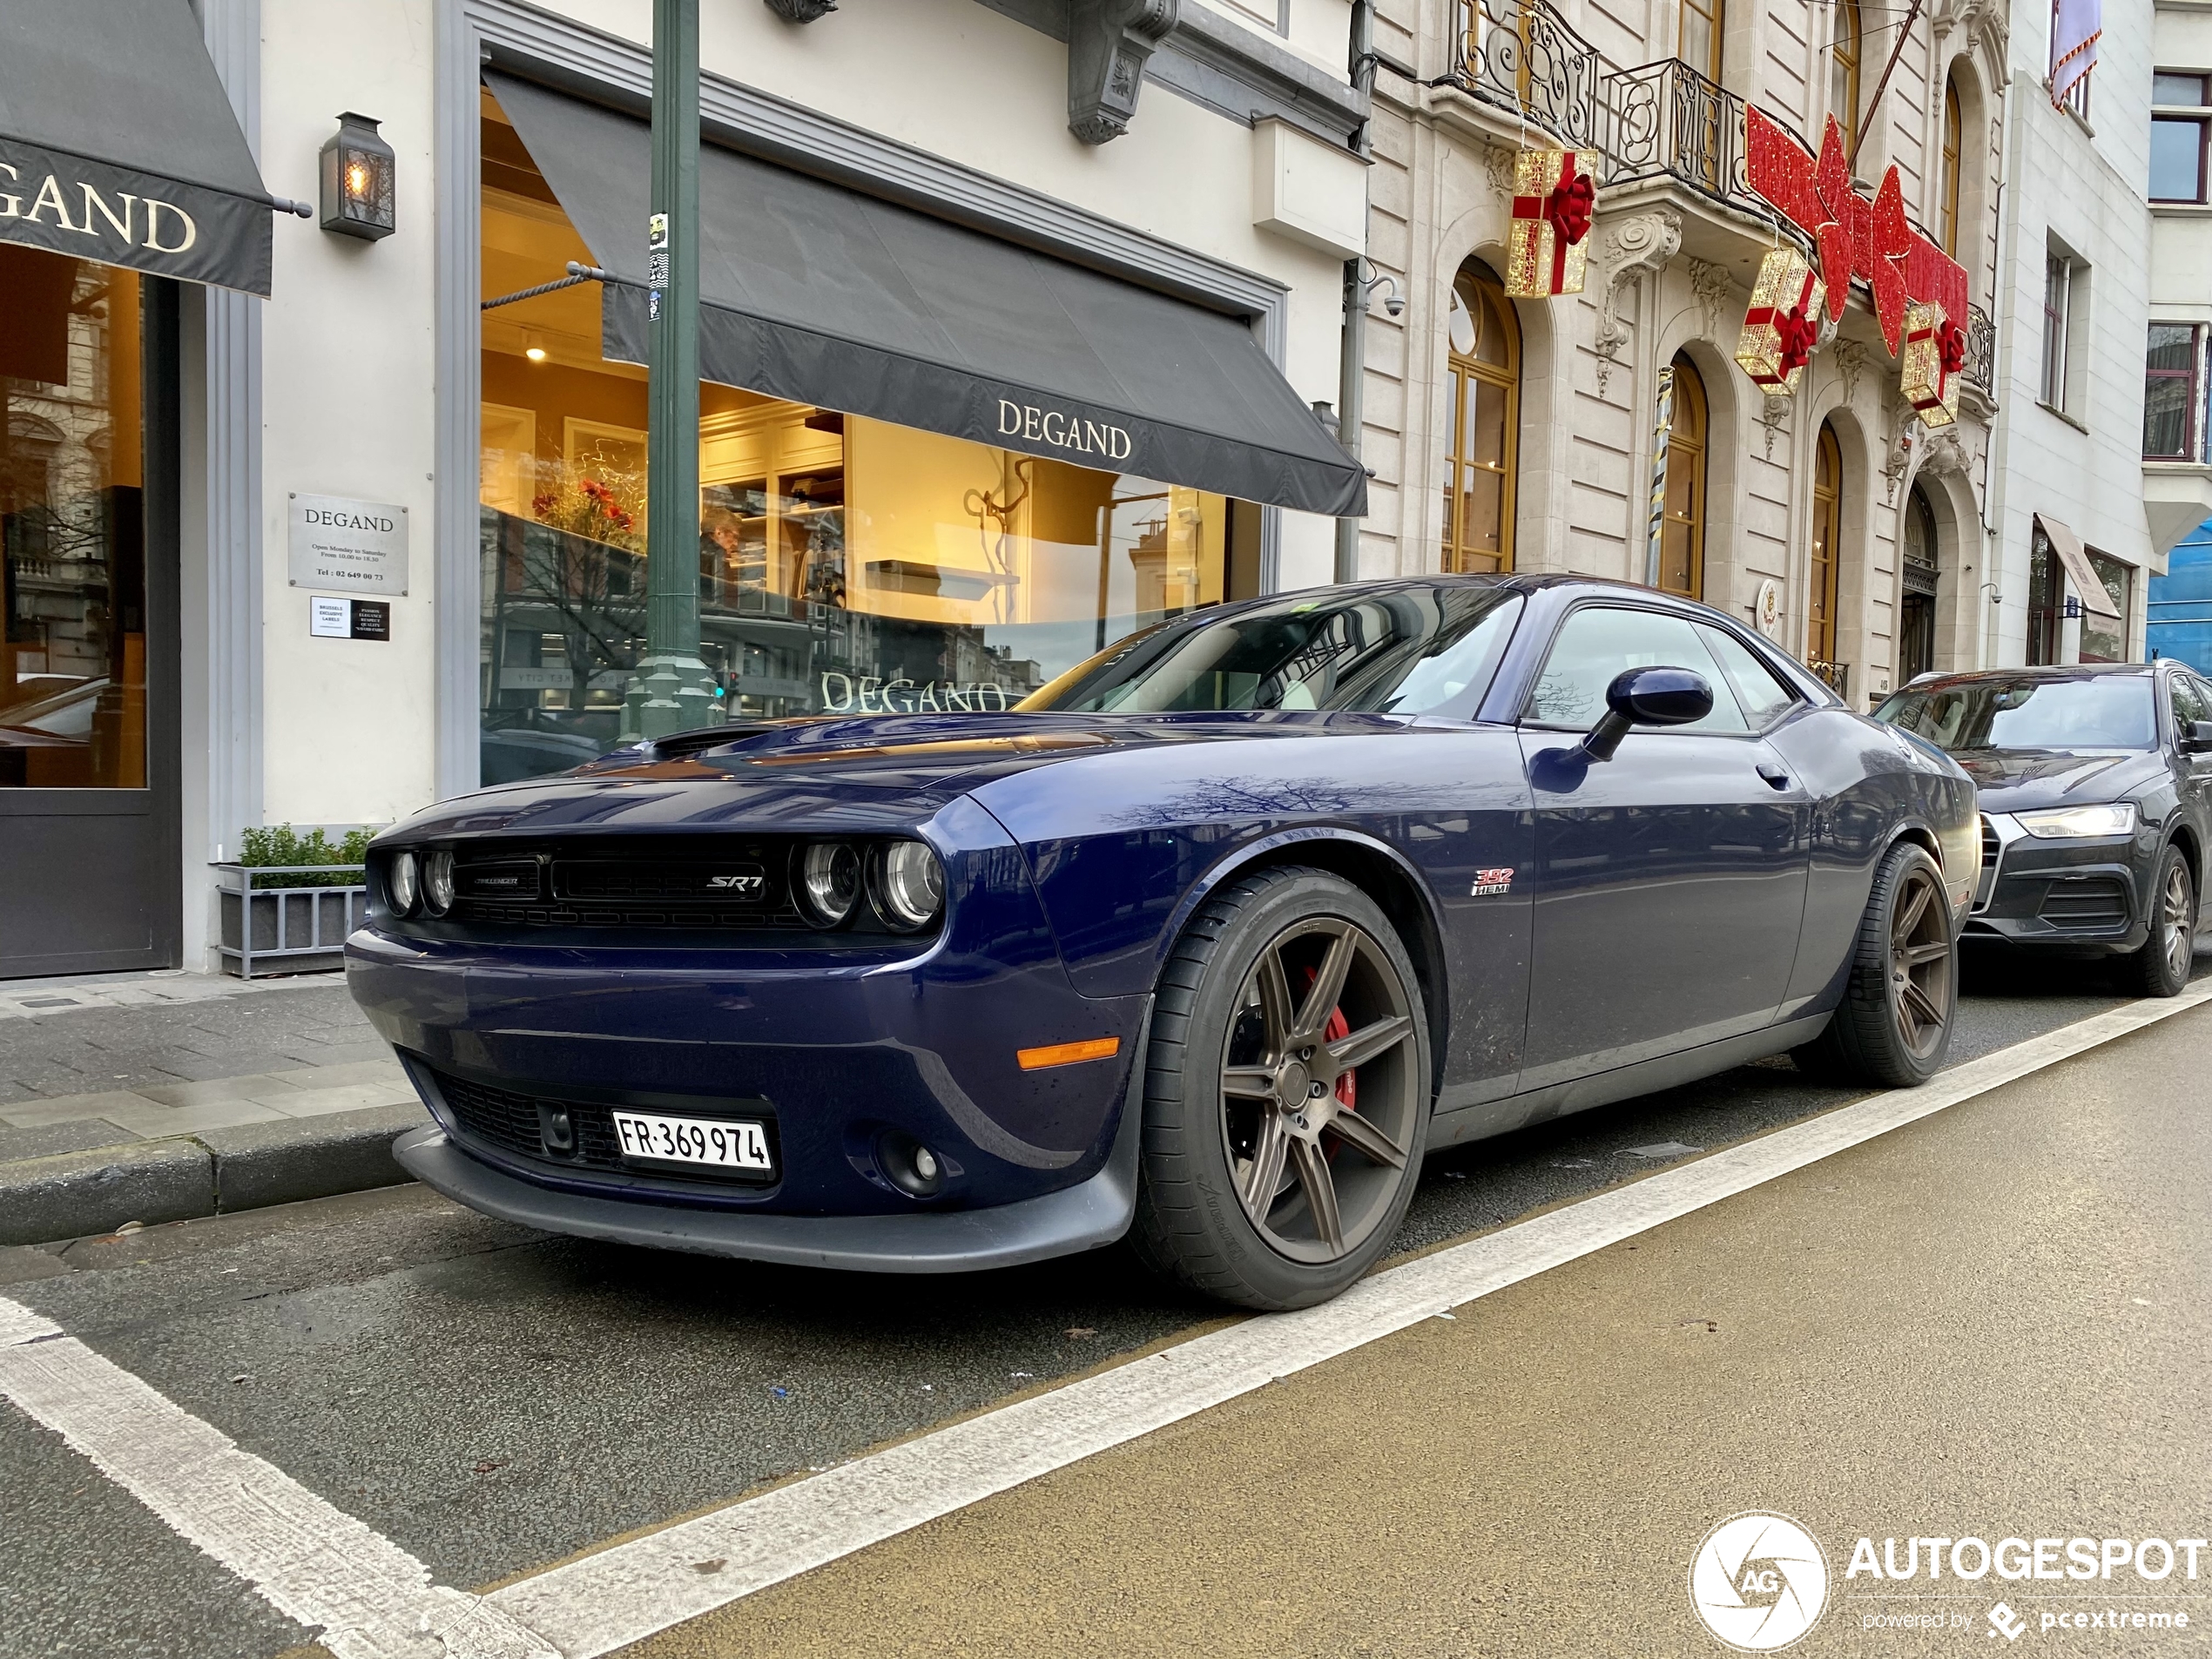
{"x":1318,"y":1093}
{"x":2177,"y":921}
{"x":1920,"y":977}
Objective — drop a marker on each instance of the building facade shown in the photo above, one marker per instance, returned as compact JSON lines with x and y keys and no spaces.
{"x":2177,"y":405}
{"x":1611,"y":432}
{"x":1015,"y":319}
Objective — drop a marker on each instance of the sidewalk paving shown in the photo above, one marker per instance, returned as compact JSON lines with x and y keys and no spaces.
{"x":147,"y":1097}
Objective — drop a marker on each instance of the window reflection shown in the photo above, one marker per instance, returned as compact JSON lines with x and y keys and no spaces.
{"x":73,"y":538}
{"x":844,"y":563}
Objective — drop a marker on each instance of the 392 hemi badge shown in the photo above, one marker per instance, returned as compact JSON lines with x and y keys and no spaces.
{"x":1489,"y":881}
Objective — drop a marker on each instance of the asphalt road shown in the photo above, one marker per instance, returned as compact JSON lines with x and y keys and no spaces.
{"x":493,"y":1400}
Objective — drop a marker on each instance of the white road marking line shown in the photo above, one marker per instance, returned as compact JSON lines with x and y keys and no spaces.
{"x":602,"y":1602}
{"x":318,"y":1565}
{"x":311,"y":1561}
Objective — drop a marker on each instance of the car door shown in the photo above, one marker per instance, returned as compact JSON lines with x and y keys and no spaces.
{"x":1670,"y":880}
{"x":2192,"y":701}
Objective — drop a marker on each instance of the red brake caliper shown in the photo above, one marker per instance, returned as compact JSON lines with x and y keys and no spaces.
{"x":1337,"y":1030}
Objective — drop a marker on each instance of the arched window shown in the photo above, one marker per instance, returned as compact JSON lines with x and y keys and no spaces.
{"x":1827,"y":542}
{"x":1697,"y":40}
{"x":1682,"y":534}
{"x":1843,"y":53}
{"x":1481,"y":422}
{"x":1953,"y":144}
{"x":1917,"y":577}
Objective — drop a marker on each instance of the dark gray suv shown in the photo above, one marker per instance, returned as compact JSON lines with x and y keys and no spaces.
{"x":2096,"y":805}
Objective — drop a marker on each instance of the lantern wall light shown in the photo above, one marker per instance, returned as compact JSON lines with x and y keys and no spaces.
{"x":357,"y":181}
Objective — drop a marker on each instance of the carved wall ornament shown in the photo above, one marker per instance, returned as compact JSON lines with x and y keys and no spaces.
{"x":1902,"y":424}
{"x":1851,"y":362}
{"x":801,"y":10}
{"x":1499,"y":163}
{"x":1627,"y":248}
{"x":1773,"y":417}
{"x":1713,"y":286}
{"x":1108,"y":43}
{"x":1942,"y":454}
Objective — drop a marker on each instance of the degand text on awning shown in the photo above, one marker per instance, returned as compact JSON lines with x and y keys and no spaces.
{"x":817,"y":293}
{"x":117,"y":143}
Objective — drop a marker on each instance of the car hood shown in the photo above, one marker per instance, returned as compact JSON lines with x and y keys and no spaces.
{"x":2025,"y":780}
{"x":832,"y":772}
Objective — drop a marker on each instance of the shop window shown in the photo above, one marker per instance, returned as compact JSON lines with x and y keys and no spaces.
{"x":1954,"y":147}
{"x":1827,"y":547}
{"x":1700,"y":39}
{"x":2046,"y":588}
{"x":2102,"y":639}
{"x":1681,"y":536}
{"x":1845,"y":53}
{"x":844,"y":564}
{"x":1918,"y":579}
{"x":2180,"y":124}
{"x":73,"y":525}
{"x":2173,"y":381}
{"x":1482,"y":425}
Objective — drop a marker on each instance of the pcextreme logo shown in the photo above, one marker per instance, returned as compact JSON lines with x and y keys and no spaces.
{"x":1758,"y":1581}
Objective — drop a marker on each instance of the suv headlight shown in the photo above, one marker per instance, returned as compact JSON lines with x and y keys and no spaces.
{"x":2080,"y":823}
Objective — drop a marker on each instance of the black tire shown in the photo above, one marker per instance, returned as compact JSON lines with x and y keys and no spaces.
{"x":1893,"y":1028}
{"x":2162,"y":967}
{"x":1230,"y":1106}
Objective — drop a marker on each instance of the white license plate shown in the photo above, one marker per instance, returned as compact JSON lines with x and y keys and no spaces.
{"x":718,"y":1143}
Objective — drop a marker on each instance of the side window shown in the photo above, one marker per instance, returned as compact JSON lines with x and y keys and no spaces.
{"x":1597,"y":642}
{"x":1457,"y":671}
{"x":2189,"y":704}
{"x":1758,"y":690}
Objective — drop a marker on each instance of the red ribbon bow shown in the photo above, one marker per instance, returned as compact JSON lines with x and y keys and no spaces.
{"x":1567,"y":209}
{"x":1797,"y":332}
{"x":1950,"y":342}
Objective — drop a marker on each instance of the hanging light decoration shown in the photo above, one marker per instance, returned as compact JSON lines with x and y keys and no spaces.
{"x":1932,"y":363}
{"x":1781,"y":322}
{"x":1552,"y":197}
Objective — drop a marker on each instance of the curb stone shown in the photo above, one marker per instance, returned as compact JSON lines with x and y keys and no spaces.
{"x":75,"y":1194}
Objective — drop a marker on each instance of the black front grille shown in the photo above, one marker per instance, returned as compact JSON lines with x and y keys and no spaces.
{"x":2089,"y":903}
{"x":509,"y":1120}
{"x":1990,"y":845}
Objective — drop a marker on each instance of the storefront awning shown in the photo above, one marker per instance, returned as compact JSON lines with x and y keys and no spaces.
{"x":820,"y":294}
{"x":117,"y":144}
{"x":2075,"y":559}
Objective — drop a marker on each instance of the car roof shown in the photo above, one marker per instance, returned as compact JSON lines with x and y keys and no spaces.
{"x":2054,"y":672}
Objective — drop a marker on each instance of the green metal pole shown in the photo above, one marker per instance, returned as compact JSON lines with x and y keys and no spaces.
{"x":676,"y":686}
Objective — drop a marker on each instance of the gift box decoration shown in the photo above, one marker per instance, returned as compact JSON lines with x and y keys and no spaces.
{"x":1932,"y":363}
{"x":1552,"y":193}
{"x":1783,"y":321}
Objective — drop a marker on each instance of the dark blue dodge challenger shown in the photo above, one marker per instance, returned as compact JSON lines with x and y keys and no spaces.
{"x":1206,"y":943}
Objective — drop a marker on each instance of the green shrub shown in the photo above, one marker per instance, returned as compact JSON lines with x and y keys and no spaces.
{"x":286,"y":846}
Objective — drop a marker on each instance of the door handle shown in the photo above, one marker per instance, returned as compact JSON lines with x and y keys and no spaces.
{"x":1779,"y":776}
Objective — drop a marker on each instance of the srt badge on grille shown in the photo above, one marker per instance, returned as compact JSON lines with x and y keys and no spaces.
{"x":746,"y":886}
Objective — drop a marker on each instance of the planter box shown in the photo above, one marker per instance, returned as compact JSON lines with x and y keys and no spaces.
{"x":272,"y":924}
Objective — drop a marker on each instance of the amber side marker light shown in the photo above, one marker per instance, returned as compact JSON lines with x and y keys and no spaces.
{"x":1066,"y":1053}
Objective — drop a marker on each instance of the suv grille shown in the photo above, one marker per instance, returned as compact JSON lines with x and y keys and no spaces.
{"x":1990,"y":845}
{"x":509,"y":1120}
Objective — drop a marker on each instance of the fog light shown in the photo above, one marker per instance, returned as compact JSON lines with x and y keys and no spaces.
{"x":437,"y":883}
{"x":400,"y":884}
{"x":909,"y":1165}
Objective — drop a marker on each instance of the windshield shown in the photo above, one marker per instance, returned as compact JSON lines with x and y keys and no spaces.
{"x":1409,"y":651}
{"x":2105,"y":712}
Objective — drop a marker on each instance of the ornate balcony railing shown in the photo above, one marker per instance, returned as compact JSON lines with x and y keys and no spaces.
{"x":1521,"y":56}
{"x":1666,"y":120}
{"x":1981,"y":351}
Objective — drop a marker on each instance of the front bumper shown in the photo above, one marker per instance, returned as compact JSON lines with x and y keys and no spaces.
{"x":2083,"y":896}
{"x":1093,"y":1212}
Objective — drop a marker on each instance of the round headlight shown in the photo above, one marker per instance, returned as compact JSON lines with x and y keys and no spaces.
{"x":829,"y":882}
{"x":437,"y":883}
{"x":910,"y":888}
{"x":400,"y":884}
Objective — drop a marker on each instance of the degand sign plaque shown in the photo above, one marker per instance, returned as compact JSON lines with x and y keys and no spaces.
{"x":347,"y":546}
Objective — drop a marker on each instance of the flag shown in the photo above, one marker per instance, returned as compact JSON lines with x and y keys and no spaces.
{"x":2074,"y":29}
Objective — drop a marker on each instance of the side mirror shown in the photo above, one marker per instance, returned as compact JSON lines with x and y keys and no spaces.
{"x":1647,"y":696}
{"x":2198,"y":738}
